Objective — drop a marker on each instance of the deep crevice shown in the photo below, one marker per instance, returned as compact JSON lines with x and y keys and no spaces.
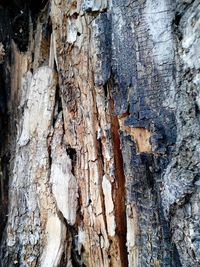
{"x":119,"y":191}
{"x":58,"y":105}
{"x":76,"y":258}
{"x":71,"y":152}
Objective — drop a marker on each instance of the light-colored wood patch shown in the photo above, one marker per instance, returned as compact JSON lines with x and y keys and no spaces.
{"x":141,"y":137}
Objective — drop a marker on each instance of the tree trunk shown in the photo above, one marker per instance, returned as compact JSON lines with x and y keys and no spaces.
{"x":99,"y":142}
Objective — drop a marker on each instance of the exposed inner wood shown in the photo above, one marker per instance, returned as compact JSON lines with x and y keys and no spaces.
{"x":140,"y":136}
{"x":99,"y":140}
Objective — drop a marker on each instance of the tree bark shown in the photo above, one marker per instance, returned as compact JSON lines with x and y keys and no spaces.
{"x":99,"y":147}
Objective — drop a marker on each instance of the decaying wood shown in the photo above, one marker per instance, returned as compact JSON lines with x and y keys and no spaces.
{"x":102,"y":133}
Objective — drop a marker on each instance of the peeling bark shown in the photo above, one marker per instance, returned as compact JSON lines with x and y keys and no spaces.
{"x":99,"y":148}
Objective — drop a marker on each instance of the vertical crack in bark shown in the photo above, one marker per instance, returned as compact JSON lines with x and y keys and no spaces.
{"x":101,"y":168}
{"x":119,"y":193}
{"x":100,"y":156}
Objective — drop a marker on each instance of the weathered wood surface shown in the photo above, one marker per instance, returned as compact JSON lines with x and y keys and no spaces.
{"x":101,"y":140}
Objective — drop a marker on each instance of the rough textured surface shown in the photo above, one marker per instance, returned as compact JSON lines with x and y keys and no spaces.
{"x":100,"y":111}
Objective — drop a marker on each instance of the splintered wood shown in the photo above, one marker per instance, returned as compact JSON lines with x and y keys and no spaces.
{"x":99,"y":176}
